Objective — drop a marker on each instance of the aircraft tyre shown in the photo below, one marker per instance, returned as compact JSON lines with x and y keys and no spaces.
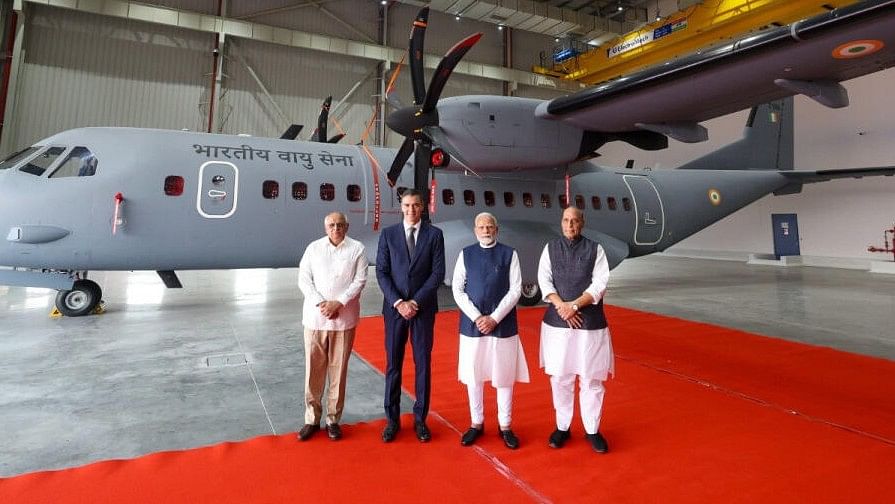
{"x":531,"y":294}
{"x":80,"y":300}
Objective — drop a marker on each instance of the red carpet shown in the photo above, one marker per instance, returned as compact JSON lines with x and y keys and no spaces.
{"x":697,"y":413}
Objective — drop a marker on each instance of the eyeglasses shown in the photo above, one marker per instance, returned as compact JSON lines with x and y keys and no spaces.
{"x":337,"y":225}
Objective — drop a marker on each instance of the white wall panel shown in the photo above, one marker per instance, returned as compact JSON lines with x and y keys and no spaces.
{"x":87,"y":70}
{"x":298,"y":80}
{"x":348,"y":19}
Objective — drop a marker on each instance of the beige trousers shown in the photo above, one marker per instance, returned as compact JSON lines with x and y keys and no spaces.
{"x":326,"y":359}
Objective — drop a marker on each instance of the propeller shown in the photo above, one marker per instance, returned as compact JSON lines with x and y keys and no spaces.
{"x":319,"y":134}
{"x":418,"y":123}
{"x":292,"y":132}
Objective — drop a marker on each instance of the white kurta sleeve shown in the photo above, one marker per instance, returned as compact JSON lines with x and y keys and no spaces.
{"x":600,"y":277}
{"x":306,"y":277}
{"x":458,"y":287}
{"x":510,"y":299}
{"x":545,"y":274}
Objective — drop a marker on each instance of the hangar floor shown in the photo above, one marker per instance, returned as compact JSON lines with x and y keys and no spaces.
{"x":222,"y":358}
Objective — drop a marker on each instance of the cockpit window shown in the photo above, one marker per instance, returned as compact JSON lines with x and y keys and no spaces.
{"x":18,"y":156}
{"x":79,"y":163}
{"x":39,"y":164}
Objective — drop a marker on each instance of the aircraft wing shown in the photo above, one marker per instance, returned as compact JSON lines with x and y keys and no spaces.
{"x":809,"y":57}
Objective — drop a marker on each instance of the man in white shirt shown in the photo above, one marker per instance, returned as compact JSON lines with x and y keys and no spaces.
{"x":487,"y":283}
{"x":573,"y":274}
{"x":332,"y":273}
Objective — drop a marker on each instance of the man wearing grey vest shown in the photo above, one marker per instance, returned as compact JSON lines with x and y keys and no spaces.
{"x":487,"y":283}
{"x":573,"y":274}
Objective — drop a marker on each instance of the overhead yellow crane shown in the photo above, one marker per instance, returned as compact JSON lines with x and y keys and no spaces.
{"x":699,"y":26}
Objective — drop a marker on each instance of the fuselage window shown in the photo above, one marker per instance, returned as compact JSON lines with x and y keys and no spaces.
{"x":400,"y":192}
{"x":270,"y":189}
{"x":509,"y":199}
{"x":299,"y":191}
{"x":39,"y":165}
{"x":469,"y":197}
{"x":327,"y":192}
{"x":545,"y":201}
{"x":173,"y":185}
{"x":14,"y":158}
{"x":563,"y":202}
{"x":79,"y":163}
{"x":447,"y":196}
{"x":579,"y":201}
{"x":610,"y":202}
{"x":595,"y":202}
{"x":626,"y":204}
{"x":353,"y":192}
{"x":527,"y":199}
{"x":489,"y":198}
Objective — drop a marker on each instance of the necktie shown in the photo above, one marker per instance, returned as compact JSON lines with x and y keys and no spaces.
{"x":411,"y":242}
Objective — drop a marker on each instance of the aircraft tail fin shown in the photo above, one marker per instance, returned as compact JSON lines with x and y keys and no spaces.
{"x":767,"y":142}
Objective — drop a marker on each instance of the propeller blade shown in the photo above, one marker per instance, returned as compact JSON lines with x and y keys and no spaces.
{"x":440,"y":139}
{"x":417,"y":37}
{"x":336,"y":138}
{"x":322,"y":120}
{"x":445,"y":68}
{"x":400,"y":159}
{"x":292,"y":132}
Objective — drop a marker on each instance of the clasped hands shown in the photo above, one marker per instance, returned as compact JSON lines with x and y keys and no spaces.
{"x":408,"y":309}
{"x":569,"y":314}
{"x":330,"y":309}
{"x":485,"y":324}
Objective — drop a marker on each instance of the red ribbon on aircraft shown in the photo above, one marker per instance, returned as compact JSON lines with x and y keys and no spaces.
{"x":432,"y":190}
{"x":116,"y":218}
{"x":567,"y":189}
{"x":377,"y":205}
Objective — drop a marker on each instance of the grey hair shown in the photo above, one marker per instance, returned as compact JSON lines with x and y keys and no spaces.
{"x":488,"y":215}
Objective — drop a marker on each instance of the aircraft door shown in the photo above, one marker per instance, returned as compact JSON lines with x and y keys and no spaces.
{"x":650,"y":222}
{"x":218,"y":186}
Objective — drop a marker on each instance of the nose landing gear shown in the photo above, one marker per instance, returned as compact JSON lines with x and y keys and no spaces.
{"x":82,"y":299}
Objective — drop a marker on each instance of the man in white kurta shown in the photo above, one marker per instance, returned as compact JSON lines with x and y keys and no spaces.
{"x":487,"y":283}
{"x":573,"y":274}
{"x":331,"y":275}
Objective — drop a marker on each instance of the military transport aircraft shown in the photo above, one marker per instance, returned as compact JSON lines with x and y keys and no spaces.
{"x":140,"y":199}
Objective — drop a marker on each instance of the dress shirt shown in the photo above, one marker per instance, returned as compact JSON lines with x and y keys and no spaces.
{"x":599,"y":278}
{"x":330,"y":272}
{"x":509,"y":300}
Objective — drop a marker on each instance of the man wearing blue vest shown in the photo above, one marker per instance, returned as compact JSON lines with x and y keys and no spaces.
{"x":573,"y":274}
{"x":487,"y":283}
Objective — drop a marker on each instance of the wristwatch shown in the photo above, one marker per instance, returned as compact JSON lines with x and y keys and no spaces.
{"x":574,"y":307}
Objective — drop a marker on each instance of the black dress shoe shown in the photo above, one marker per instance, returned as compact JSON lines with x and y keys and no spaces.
{"x":598,"y":442}
{"x":558,"y":438}
{"x":509,"y":439}
{"x":334,"y":431}
{"x":422,"y":432}
{"x":471,"y":435}
{"x":390,"y":432}
{"x":307,"y":431}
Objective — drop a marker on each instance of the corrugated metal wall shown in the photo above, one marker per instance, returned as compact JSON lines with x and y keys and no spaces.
{"x":87,"y":70}
{"x":298,"y":80}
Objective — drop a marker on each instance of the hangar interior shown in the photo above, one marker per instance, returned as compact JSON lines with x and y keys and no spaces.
{"x":161,"y":64}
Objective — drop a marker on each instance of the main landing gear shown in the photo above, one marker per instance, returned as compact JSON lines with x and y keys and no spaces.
{"x":82,"y":299}
{"x":531,"y":294}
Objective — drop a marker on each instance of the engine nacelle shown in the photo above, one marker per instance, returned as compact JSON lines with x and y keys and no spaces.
{"x":502,"y":133}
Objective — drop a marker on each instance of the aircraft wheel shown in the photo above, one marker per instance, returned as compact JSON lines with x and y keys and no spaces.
{"x":531,"y":294}
{"x":80,"y":300}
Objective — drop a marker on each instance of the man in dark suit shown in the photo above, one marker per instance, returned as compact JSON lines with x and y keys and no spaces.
{"x":409,"y":268}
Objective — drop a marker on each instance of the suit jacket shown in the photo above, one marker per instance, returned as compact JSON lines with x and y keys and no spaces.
{"x":404,"y":277}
